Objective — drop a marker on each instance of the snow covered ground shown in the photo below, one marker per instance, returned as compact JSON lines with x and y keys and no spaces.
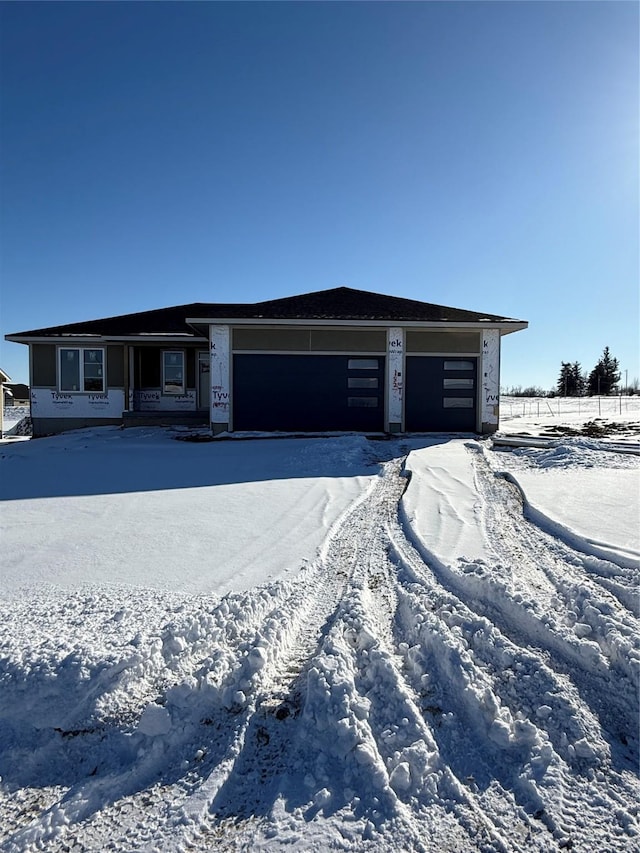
{"x":423,"y":644}
{"x":12,"y":418}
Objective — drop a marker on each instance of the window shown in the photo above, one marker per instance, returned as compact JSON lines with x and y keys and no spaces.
{"x":363,"y":382}
{"x":173,"y":372}
{"x":458,"y":383}
{"x":82,"y":370}
{"x":457,"y":402}
{"x":459,"y":365}
{"x":363,"y":364}
{"x":362,"y":402}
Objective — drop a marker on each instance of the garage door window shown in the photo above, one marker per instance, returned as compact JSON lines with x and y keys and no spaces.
{"x":459,"y":365}
{"x":458,"y":383}
{"x":457,"y":402}
{"x":363,"y":364}
{"x":363,"y":381}
{"x":362,"y":402}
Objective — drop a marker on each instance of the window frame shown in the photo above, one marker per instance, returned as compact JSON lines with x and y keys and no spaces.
{"x":81,"y":374}
{"x":163,"y":380}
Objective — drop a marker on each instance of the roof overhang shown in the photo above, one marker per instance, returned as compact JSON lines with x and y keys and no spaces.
{"x":104,"y":339}
{"x":504,"y":326}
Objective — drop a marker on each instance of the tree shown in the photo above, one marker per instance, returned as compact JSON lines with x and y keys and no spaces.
{"x":571,"y":382}
{"x":605,"y":375}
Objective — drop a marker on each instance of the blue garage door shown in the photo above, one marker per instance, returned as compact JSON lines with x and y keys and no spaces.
{"x":308,"y":393}
{"x":440,"y":394}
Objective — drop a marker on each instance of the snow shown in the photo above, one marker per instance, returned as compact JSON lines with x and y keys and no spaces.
{"x":233,"y":519}
{"x":422,"y":643}
{"x":12,"y":416}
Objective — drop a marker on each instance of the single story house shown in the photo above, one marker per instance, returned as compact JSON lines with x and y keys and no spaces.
{"x":16,"y":394}
{"x":332,"y":360}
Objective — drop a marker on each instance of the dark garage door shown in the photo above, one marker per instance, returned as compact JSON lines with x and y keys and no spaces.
{"x":440,"y":394}
{"x":308,"y":393}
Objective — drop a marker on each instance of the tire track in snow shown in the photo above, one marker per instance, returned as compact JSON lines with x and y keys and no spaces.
{"x":446,"y":591}
{"x":342,"y":664}
{"x":518,"y":596}
{"x":589,"y":618}
{"x":373,"y":687}
{"x":262,"y":738}
{"x":260,"y":651}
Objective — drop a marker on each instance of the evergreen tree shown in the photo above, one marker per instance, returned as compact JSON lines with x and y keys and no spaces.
{"x":564,"y":380}
{"x":578,"y":378}
{"x":571,"y":381}
{"x":605,"y":375}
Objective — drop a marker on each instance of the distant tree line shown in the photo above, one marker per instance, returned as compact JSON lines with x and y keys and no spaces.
{"x":602,"y":380}
{"x":573,"y":381}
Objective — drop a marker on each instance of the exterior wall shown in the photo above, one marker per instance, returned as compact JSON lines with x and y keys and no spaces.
{"x":153,"y":400}
{"x":490,"y":369}
{"x":394,"y":414}
{"x":309,"y":340}
{"x":49,"y":403}
{"x":419,"y":341}
{"x":43,"y":366}
{"x":115,"y":366}
{"x":220,"y":378}
{"x":51,"y":426}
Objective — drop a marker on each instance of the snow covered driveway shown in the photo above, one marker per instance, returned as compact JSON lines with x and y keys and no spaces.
{"x":440,"y":670}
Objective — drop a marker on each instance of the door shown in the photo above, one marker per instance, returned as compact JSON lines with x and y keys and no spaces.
{"x":204,"y":383}
{"x":440,"y":394}
{"x":308,"y":393}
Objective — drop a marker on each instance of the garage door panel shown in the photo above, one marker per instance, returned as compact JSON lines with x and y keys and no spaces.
{"x":441,"y":394}
{"x":307,"y":393}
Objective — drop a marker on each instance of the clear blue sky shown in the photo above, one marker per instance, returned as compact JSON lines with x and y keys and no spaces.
{"x":479,"y":155}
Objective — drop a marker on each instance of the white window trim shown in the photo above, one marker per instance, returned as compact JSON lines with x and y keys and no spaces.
{"x":183,"y":389}
{"x":80,"y":350}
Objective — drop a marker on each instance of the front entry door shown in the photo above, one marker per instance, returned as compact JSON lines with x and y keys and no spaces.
{"x":204,"y":383}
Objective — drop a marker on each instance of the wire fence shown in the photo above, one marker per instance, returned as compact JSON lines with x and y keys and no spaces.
{"x":557,"y":406}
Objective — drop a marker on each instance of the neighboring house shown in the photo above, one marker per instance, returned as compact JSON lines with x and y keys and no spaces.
{"x":16,"y":394}
{"x":333,"y":360}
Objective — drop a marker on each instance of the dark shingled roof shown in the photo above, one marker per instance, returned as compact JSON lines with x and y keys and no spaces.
{"x":18,"y":390}
{"x":339,"y":303}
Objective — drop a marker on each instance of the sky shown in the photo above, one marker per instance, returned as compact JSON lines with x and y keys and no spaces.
{"x":477,"y":155}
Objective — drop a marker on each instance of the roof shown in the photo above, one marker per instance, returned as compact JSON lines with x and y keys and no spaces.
{"x":339,"y":303}
{"x":17,"y":390}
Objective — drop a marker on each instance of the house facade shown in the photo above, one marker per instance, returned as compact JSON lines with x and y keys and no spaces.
{"x":333,"y":360}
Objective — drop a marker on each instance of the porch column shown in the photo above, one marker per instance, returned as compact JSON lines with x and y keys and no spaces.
{"x":490,"y":368}
{"x":220,"y":378}
{"x":395,"y":378}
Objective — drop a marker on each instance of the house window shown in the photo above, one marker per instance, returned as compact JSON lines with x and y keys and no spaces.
{"x":82,"y":369}
{"x":173,"y":372}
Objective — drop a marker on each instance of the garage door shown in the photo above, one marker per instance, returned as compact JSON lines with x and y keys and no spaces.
{"x":440,"y":394}
{"x":308,"y":393}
